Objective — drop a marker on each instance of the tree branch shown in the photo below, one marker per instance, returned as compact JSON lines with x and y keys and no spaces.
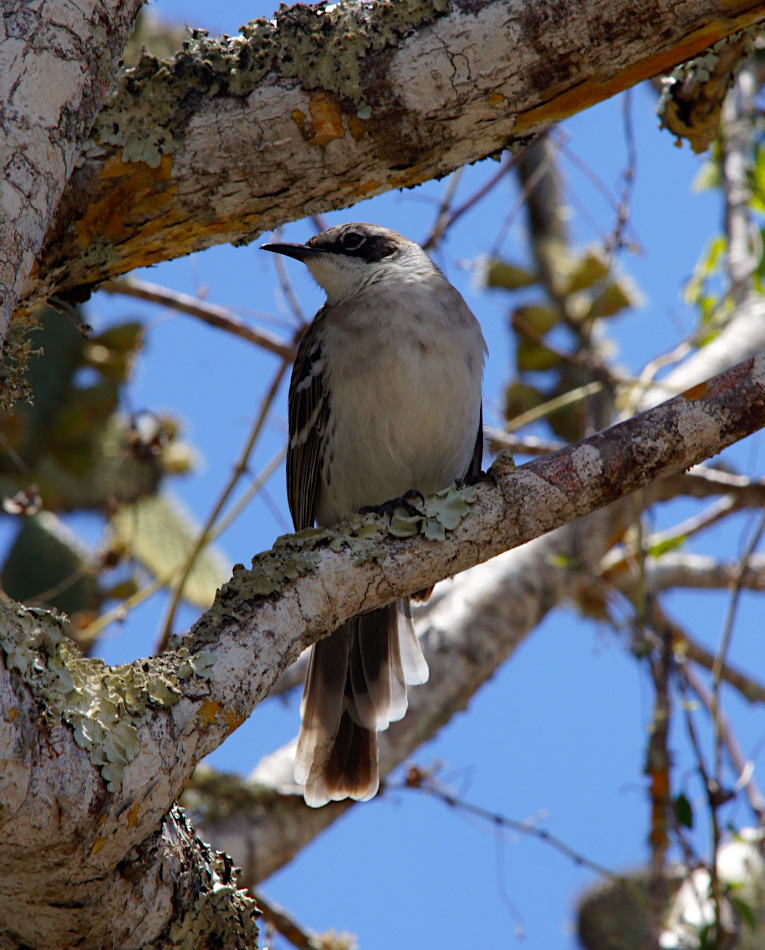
{"x":53,"y":81}
{"x":209,"y":313}
{"x":236,"y":135}
{"x":701,"y":572}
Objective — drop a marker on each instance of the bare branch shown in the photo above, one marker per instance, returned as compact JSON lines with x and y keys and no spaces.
{"x":703,"y":481}
{"x":282,"y":921}
{"x":498,"y":439}
{"x":686,"y":647}
{"x":702,"y":572}
{"x":743,"y":768}
{"x":209,"y":313}
{"x":205,"y":534}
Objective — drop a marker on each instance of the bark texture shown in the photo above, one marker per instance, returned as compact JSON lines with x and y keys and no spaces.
{"x":56,"y":64}
{"x":324,"y":106}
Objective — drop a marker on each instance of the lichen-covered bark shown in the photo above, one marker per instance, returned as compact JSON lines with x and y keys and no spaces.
{"x":58,"y":60}
{"x":94,"y":757}
{"x":327,"y":105}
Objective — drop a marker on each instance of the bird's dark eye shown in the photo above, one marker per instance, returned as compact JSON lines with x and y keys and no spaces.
{"x":353,"y":240}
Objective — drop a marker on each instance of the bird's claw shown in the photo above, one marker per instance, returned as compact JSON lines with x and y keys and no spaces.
{"x":389,"y":507}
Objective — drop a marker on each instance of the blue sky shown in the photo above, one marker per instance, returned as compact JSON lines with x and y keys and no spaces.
{"x":559,"y":732}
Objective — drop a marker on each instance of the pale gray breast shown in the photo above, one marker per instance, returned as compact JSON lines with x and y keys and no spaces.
{"x":405,"y":400}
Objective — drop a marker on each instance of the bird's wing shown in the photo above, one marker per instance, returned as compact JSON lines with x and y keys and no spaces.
{"x":308,"y":415}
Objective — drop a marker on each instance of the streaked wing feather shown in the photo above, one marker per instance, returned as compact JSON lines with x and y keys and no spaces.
{"x":308,"y":416}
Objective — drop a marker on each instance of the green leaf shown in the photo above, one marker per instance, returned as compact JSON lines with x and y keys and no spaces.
{"x":708,"y":176}
{"x":160,"y":534}
{"x":535,"y":356}
{"x":534,"y":317}
{"x":520,"y":398}
{"x":695,"y":290}
{"x":671,"y":544}
{"x":591,"y":267}
{"x":683,"y":811}
{"x":617,"y":296}
{"x":506,"y":276}
{"x":744,"y":911}
{"x":758,"y":181}
{"x":112,"y":352}
{"x":48,"y":564}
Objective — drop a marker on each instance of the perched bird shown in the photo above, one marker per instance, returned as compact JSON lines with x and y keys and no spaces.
{"x":385,"y":399}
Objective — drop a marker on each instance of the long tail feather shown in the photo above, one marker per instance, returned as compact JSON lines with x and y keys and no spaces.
{"x":355,"y":687}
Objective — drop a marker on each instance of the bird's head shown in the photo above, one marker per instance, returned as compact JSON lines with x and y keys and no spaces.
{"x":347,"y":257}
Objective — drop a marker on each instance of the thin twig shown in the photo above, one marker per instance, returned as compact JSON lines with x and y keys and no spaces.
{"x":442,"y":217}
{"x":687,"y":648}
{"x":744,"y":768}
{"x":738,"y":586}
{"x":553,"y":405}
{"x":568,"y":152}
{"x":541,"y":170}
{"x":122,"y":609}
{"x":619,"y":557}
{"x":239,"y":469}
{"x":702,"y":481}
{"x":498,"y":439}
{"x":423,"y":780}
{"x":717,"y":668}
{"x":286,"y":287}
{"x":658,"y":761}
{"x":298,"y":935}
{"x":445,"y":221}
{"x":209,"y":313}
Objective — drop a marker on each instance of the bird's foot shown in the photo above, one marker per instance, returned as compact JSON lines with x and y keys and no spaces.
{"x":389,"y":507}
{"x":489,"y":477}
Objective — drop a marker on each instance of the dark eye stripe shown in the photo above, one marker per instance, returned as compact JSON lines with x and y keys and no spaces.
{"x":371,"y":247}
{"x":353,"y":240}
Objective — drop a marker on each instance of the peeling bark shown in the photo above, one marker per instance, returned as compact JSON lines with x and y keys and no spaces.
{"x":323,"y":107}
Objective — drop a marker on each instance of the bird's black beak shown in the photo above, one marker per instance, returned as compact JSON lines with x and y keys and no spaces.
{"x":299,"y":251}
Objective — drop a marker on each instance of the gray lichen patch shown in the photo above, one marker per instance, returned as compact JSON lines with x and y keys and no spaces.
{"x":294,"y":555}
{"x":322,"y":47}
{"x":211,"y":910}
{"x":104,"y":705}
{"x":439,"y":513}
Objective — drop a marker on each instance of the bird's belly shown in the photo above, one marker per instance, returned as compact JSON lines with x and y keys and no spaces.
{"x":406,"y":421}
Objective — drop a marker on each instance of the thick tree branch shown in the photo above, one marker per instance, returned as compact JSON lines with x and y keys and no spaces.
{"x":327,"y":105}
{"x":52,"y":83}
{"x":701,"y":572}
